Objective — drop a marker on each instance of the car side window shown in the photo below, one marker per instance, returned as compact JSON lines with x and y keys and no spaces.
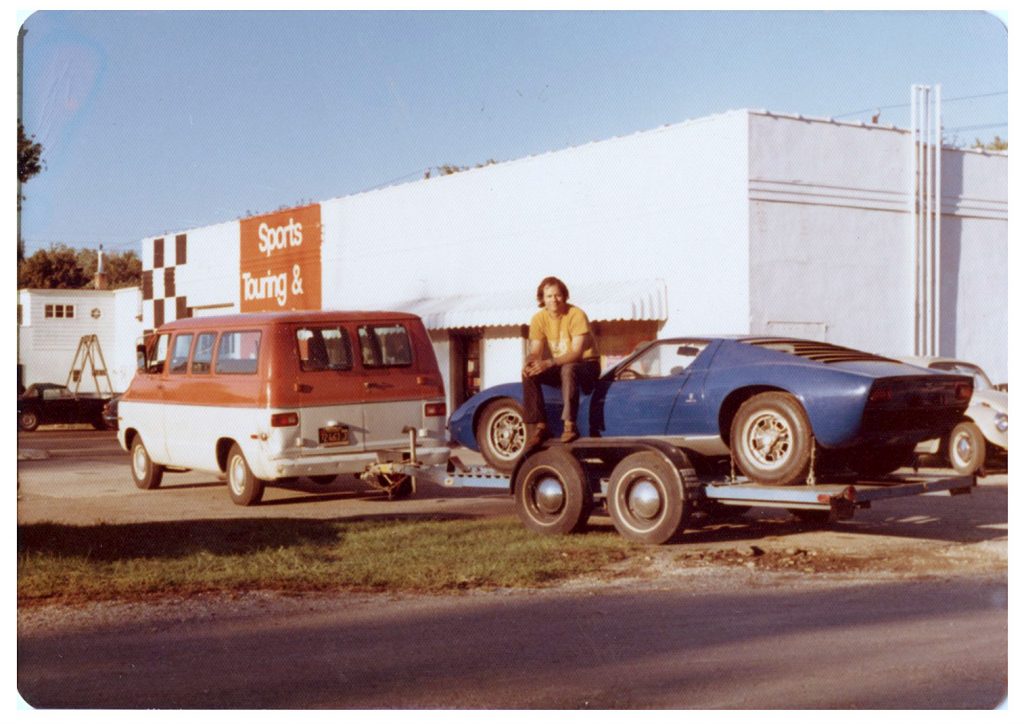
{"x":662,"y":360}
{"x":385,"y":346}
{"x":238,"y":353}
{"x":202,"y":356}
{"x":323,"y":348}
{"x":179,"y":354}
{"x":157,"y":355}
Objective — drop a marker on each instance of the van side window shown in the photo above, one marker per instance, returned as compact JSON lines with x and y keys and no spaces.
{"x":323,"y":348}
{"x":157,"y":355}
{"x":203,"y":354}
{"x":238,"y":353}
{"x":385,"y":346}
{"x":179,"y":354}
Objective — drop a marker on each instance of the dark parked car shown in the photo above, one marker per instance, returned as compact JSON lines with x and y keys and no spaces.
{"x":48,"y":403}
{"x":773,"y":404}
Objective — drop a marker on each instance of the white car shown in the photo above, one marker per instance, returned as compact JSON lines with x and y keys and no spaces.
{"x":982,"y":435}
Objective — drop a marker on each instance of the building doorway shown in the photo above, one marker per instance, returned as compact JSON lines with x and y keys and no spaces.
{"x":466,"y":369}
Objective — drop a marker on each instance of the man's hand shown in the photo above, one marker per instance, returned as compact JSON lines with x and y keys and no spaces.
{"x":536,"y":367}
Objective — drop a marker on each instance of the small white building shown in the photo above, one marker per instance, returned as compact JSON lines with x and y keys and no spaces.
{"x":744,"y":222}
{"x":51,"y":323}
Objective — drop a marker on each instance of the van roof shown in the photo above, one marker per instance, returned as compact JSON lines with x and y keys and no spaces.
{"x":265,"y":318}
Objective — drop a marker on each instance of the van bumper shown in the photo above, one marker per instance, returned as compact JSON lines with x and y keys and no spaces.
{"x":348,"y":464}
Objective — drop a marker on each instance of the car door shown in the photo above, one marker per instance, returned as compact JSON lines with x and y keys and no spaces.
{"x":661,"y":384}
{"x":394,"y":397}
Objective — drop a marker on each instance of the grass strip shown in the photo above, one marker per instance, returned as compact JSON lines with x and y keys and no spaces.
{"x":99,"y":562}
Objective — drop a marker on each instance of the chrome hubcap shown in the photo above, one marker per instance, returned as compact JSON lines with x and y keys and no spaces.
{"x":644,"y":499}
{"x":508,"y":434}
{"x":549,"y":495}
{"x":236,"y":476}
{"x":139,"y":462}
{"x":769,"y":439}
{"x":964,"y":449}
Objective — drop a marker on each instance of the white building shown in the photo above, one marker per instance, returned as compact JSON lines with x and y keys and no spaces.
{"x":744,"y":222}
{"x":51,"y":322}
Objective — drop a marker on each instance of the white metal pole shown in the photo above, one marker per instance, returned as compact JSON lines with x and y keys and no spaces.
{"x":938,"y":219}
{"x":912,"y":214}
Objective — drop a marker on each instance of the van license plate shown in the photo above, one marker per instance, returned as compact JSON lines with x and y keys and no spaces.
{"x":334,"y":435}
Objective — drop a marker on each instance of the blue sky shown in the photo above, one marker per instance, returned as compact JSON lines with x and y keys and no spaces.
{"x":154,"y":122}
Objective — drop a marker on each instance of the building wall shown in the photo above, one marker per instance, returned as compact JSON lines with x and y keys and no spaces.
{"x":668,"y":203}
{"x":47,"y":347}
{"x":831,"y":249}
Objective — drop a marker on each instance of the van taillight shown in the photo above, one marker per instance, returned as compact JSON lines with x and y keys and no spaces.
{"x":284,"y":419}
{"x":964,"y":391}
{"x":435,"y":409}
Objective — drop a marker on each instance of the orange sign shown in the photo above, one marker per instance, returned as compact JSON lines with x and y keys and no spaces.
{"x":279,"y":265}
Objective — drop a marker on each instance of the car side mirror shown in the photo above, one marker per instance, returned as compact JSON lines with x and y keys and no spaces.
{"x":140,"y":357}
{"x":688,"y":351}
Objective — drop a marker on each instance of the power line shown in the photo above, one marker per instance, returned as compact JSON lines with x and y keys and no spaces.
{"x":907,"y":105}
{"x":977,"y":128}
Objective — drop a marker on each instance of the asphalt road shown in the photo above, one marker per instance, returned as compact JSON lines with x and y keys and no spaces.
{"x":924,"y":627}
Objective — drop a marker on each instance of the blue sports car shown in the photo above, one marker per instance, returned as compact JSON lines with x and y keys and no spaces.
{"x":775,"y":405}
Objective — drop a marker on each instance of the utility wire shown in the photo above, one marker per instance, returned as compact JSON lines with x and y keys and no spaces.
{"x":907,"y":105}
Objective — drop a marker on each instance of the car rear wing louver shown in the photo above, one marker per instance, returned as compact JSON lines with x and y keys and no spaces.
{"x":816,"y":351}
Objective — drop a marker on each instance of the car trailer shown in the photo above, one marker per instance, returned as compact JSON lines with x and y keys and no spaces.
{"x":650,"y":488}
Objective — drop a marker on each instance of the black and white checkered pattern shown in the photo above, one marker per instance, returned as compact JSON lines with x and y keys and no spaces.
{"x":160,"y":301}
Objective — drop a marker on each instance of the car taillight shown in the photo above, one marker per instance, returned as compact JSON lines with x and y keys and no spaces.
{"x":964,"y":391}
{"x":880,"y":394}
{"x":284,"y":419}
{"x":435,"y":409}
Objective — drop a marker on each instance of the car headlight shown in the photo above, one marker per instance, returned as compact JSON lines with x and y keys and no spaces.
{"x":1002,"y":422}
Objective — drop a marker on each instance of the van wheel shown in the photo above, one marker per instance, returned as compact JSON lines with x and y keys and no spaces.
{"x":501,"y":434}
{"x":245,"y":488}
{"x":146,"y":474}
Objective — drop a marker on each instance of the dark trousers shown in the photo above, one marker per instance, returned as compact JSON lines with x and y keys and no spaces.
{"x":572,"y":378}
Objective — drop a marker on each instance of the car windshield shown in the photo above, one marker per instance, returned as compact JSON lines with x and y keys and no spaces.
{"x":661,"y":360}
{"x":981,"y":380}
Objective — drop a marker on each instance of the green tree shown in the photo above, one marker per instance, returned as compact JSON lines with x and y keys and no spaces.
{"x":30,"y":158}
{"x":996,"y":144}
{"x":123,"y":269}
{"x":53,"y":268}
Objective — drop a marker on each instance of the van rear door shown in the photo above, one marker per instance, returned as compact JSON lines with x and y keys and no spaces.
{"x":393,"y":383}
{"x":331,"y":390}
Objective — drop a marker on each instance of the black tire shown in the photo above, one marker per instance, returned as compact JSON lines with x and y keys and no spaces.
{"x":323,"y":479}
{"x":552,"y":493}
{"x":244,"y":487}
{"x":28,"y":420}
{"x":966,"y":448}
{"x":875,"y":461}
{"x":146,"y":474}
{"x":646,"y":499}
{"x":771,"y":440}
{"x":501,"y":434}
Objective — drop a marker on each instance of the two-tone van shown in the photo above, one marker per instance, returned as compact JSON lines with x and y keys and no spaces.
{"x":266,"y":397}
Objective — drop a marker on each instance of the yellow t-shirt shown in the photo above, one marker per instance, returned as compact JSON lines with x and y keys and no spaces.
{"x":558,"y":333}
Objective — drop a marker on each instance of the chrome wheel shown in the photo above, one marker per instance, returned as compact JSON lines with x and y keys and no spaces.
{"x":140,"y":461}
{"x":552,"y":493}
{"x":237,"y":473}
{"x":507,"y":434}
{"x":769,"y":439}
{"x":644,"y":499}
{"x":548,"y":495}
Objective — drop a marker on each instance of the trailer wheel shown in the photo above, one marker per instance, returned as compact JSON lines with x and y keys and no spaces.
{"x":244,"y":487}
{"x":146,"y":474}
{"x":552,"y":493}
{"x":646,"y":499}
{"x":28,"y":420}
{"x":770,"y":439}
{"x":966,"y":448}
{"x":501,"y":434}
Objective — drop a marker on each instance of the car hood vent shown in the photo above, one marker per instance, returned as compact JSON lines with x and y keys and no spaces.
{"x":816,"y":351}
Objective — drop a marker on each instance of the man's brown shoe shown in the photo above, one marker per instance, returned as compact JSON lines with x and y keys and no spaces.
{"x":537,"y":437}
{"x":569,"y":432}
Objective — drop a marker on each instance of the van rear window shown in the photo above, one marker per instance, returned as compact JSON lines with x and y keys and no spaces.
{"x":238,"y":353}
{"x":323,"y":348}
{"x":385,"y":346}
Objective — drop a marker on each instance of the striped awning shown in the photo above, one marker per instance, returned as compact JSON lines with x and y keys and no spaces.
{"x":602,"y":301}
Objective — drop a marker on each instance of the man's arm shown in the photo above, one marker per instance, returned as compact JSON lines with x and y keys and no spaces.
{"x":536,"y":365}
